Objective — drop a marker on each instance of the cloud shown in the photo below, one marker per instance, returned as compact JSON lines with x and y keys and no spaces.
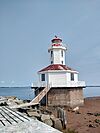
{"x":12,"y":82}
{"x":2,"y":82}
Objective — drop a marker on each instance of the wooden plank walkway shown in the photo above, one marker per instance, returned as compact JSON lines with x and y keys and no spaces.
{"x":10,"y":117}
{"x":14,"y":122}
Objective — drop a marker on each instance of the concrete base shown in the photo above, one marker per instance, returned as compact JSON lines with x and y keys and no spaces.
{"x":70,"y":97}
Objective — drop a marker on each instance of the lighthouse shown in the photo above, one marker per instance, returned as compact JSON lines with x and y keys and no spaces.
{"x":57,"y":81}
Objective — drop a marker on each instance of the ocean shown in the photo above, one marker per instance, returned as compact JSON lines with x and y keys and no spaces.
{"x":28,"y":93}
{"x":91,"y":91}
{"x":20,"y":92}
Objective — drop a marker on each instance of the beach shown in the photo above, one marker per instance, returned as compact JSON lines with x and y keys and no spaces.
{"x":87,"y":118}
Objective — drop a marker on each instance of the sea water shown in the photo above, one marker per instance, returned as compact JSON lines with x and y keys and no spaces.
{"x":20,"y":92}
{"x":91,"y":91}
{"x":28,"y":92}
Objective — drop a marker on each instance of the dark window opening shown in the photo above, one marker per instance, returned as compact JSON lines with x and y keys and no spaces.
{"x":42,"y":77}
{"x":72,"y":76}
{"x":62,"y":62}
{"x":51,"y":62}
{"x":51,"y":53}
{"x":62,"y":53}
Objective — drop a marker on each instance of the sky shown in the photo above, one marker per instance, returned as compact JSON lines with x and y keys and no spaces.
{"x":27,"y":28}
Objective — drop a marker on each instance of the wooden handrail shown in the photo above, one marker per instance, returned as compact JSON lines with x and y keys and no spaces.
{"x":36,"y":100}
{"x":39,"y":97}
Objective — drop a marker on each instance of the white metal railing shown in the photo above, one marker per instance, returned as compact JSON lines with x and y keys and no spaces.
{"x":76,"y":84}
{"x":59,"y":84}
{"x":69,"y":84}
{"x":39,"y":84}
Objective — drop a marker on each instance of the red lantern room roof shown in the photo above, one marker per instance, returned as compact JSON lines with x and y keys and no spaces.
{"x":56,"y":40}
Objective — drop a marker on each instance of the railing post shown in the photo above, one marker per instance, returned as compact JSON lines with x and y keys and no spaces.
{"x":46,"y":100}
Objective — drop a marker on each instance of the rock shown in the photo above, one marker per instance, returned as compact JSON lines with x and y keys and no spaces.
{"x":35,"y":114}
{"x":90,"y":113}
{"x":97,"y":125}
{"x":96,"y":114}
{"x":3,"y":103}
{"x":11,"y":97}
{"x":92,"y":125}
{"x":11,"y":103}
{"x":2,"y":98}
{"x":57,"y":124}
{"x":77,"y":112}
{"x":18,"y":101}
{"x":44,"y":117}
{"x":22,"y":110}
{"x":48,"y":111}
{"x":97,"y":121}
{"x":52,"y":117}
{"x":61,"y":114}
{"x":76,"y":109}
{"x":90,"y":121}
{"x":69,"y":109}
{"x":26,"y":101}
{"x":48,"y":122}
{"x":64,"y":122}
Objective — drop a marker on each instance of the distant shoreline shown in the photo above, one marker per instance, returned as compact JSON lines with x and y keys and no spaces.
{"x":94,"y":97}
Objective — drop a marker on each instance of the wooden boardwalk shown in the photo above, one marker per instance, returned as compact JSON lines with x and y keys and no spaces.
{"x":14,"y":122}
{"x":10,"y":117}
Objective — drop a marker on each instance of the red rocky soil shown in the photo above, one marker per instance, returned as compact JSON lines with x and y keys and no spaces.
{"x":87,"y":119}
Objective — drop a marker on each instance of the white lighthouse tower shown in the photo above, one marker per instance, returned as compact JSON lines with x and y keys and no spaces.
{"x":60,"y":81}
{"x":57,"y":51}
